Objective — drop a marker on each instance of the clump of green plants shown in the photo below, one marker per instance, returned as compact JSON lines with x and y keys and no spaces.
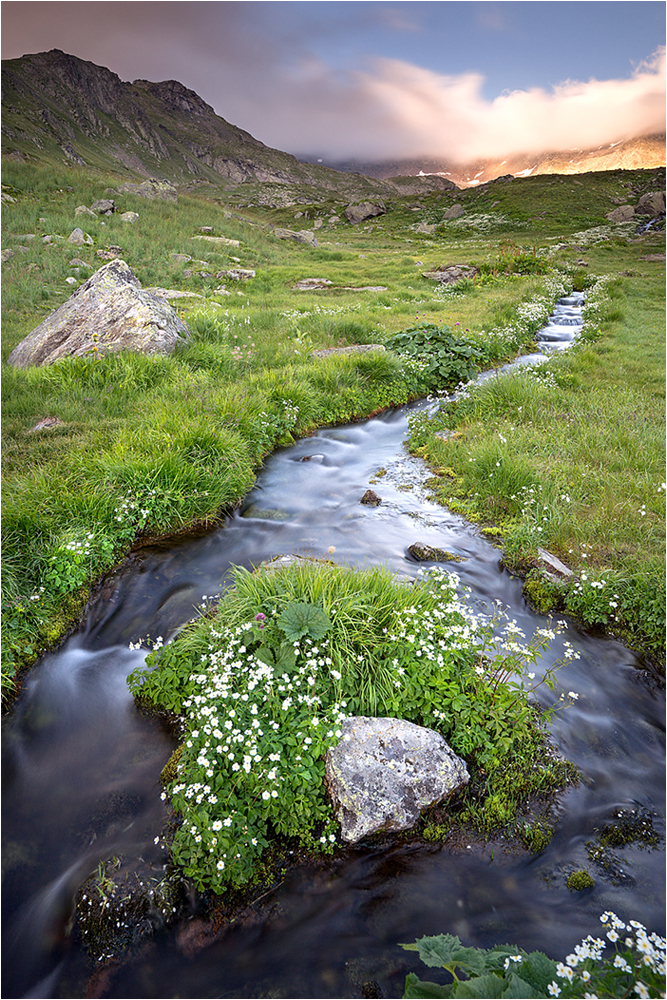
{"x":265,"y":685}
{"x":512,"y":258}
{"x":447,"y":359}
{"x":635,"y":968}
{"x":579,"y":880}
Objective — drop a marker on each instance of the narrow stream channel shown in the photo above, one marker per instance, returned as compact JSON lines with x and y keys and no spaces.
{"x":81,"y":765}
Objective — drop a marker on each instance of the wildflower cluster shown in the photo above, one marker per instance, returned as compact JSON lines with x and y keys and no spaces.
{"x":636,"y":969}
{"x":70,"y":564}
{"x":593,"y":596}
{"x":482,"y":222}
{"x":265,"y":699}
{"x":271,"y":427}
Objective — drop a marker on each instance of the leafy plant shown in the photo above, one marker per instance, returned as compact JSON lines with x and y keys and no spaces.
{"x":447,"y":359}
{"x":636,"y":968}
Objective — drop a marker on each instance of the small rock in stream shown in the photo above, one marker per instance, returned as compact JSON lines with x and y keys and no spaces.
{"x":429,"y":553}
{"x":371,"y":499}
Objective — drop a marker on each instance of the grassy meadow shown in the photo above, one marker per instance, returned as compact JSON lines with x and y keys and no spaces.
{"x":148,"y":446}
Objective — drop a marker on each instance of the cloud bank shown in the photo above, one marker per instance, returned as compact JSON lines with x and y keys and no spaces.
{"x":398,"y":109}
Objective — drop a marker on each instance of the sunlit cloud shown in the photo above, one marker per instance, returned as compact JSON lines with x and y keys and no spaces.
{"x":404,"y":110}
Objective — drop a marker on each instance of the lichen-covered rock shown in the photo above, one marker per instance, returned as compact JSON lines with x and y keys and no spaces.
{"x":109,"y":312}
{"x":237,"y":273}
{"x":79,"y":238}
{"x":383,"y":772}
{"x":103,"y":206}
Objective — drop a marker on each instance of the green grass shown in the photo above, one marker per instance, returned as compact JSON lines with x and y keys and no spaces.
{"x":194,"y":427}
{"x":572,"y":459}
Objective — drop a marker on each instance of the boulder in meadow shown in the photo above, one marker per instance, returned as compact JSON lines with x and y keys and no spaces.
{"x":109,"y":312}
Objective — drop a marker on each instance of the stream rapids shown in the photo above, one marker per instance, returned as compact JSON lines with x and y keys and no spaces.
{"x":81,"y":765}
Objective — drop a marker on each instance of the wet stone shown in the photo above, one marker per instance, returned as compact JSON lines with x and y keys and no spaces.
{"x":429,"y":553}
{"x":371,"y":499}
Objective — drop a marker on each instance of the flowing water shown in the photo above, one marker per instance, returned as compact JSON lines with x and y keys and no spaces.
{"x":81,"y":765}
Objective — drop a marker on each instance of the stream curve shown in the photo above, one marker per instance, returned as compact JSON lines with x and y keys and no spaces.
{"x":81,"y":764}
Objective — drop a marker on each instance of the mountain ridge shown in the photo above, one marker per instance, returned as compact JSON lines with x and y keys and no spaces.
{"x":57,"y":106}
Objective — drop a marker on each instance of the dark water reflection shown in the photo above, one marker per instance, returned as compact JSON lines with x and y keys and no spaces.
{"x":81,"y":766}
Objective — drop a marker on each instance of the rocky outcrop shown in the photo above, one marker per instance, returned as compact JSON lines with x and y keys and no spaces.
{"x":154,"y":189}
{"x":109,"y":312}
{"x":449,"y":274}
{"x":366,"y":210}
{"x":624,"y":213}
{"x":652,"y":203}
{"x":455,"y":212}
{"x":383,"y":772}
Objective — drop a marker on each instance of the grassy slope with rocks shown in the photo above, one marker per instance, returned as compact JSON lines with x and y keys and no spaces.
{"x":150,"y":445}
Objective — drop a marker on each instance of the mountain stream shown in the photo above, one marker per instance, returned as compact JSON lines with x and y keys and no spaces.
{"x":81,"y":764}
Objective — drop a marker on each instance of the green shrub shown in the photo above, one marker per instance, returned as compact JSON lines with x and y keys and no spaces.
{"x":447,"y":359}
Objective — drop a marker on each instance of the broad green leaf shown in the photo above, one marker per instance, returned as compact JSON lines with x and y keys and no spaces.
{"x":538,"y":970}
{"x":417,"y":988}
{"x":519,"y":989}
{"x":298,"y":620}
{"x":488,"y":987}
{"x":446,"y":950}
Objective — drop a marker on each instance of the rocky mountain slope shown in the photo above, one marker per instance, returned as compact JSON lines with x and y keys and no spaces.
{"x":56,"y":106}
{"x":641,"y":153}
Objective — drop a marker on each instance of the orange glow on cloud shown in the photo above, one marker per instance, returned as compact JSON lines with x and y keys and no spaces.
{"x":447,"y":116}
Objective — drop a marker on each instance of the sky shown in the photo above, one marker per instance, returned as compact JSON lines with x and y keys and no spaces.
{"x":382,"y":80}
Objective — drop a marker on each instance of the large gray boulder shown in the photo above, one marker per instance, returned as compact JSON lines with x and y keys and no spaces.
{"x":302,"y":236}
{"x":624,"y":213}
{"x":109,"y":312}
{"x":366,"y":210}
{"x":383,"y":772}
{"x":652,"y":203}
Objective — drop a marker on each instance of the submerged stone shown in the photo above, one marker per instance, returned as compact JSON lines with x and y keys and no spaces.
{"x":385,"y":771}
{"x":429,"y":553}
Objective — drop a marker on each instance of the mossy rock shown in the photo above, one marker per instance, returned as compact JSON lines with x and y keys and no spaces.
{"x":628,"y":827}
{"x":170,"y":769}
{"x":429,"y":553}
{"x":580,"y":880}
{"x":543,"y":594}
{"x":536,"y":837}
{"x":121,"y":905}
